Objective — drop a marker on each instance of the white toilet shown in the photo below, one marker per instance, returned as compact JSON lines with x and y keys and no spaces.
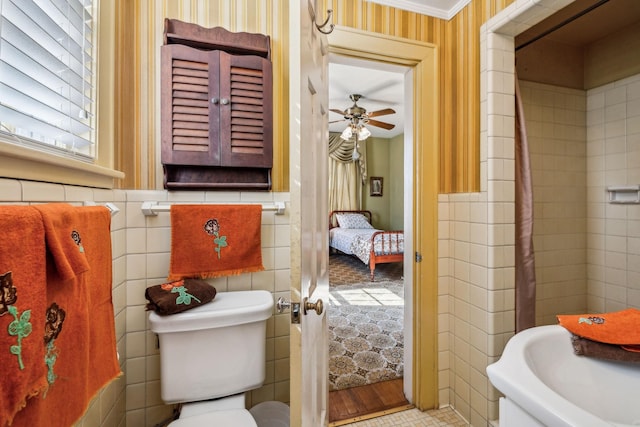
{"x":211,"y":355}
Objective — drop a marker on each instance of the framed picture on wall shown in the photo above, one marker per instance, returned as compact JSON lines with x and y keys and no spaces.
{"x":375,"y":186}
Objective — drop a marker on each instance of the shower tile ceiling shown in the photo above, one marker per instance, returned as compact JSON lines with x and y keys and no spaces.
{"x":606,"y":18}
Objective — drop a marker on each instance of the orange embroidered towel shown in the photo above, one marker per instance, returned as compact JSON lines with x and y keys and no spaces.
{"x":619,"y":327}
{"x":215,"y":240}
{"x":22,"y":308}
{"x":103,"y":355}
{"x":79,"y":336}
{"x":64,"y":242}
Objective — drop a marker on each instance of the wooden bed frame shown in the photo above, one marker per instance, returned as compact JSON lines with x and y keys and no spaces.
{"x":389,"y":241}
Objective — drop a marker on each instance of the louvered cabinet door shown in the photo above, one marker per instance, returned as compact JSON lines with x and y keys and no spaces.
{"x":246,"y":133}
{"x":190,"y":130}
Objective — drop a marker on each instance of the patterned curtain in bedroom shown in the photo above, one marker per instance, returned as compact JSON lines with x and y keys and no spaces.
{"x":346,"y":175}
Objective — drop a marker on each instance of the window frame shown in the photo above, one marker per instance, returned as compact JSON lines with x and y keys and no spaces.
{"x":24,"y":162}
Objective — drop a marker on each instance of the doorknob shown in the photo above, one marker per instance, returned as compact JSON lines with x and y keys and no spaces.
{"x":317,"y":306}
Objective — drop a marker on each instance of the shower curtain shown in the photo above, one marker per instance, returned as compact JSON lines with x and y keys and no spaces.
{"x":524,"y":256}
{"x":346,"y":176}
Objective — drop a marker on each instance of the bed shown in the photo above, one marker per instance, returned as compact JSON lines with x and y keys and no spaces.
{"x":351,"y":232}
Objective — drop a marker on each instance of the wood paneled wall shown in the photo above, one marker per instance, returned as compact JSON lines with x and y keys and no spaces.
{"x":137,"y":87}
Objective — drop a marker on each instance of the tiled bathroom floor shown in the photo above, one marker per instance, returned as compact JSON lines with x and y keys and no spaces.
{"x":445,"y":417}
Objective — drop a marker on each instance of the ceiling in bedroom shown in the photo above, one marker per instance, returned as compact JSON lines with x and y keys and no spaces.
{"x":381,"y":86}
{"x":443,"y":9}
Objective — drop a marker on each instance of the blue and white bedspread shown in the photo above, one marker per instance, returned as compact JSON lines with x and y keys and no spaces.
{"x":357,"y":241}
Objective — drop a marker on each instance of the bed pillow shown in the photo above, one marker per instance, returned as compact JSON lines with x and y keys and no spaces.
{"x":352,"y":220}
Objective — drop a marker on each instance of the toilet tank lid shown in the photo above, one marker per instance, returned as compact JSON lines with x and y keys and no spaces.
{"x":226,"y":309}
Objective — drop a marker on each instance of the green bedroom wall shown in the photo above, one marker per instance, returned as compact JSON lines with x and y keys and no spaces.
{"x":396,"y":183}
{"x":385,"y":159}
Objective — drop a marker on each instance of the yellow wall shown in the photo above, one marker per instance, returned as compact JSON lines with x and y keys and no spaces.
{"x":137,"y":87}
{"x":459,"y":43}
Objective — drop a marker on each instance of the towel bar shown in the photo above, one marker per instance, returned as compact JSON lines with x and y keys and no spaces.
{"x":112,"y":208}
{"x":153,"y":208}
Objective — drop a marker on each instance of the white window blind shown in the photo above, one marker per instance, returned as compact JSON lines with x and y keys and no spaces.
{"x":46,"y":74}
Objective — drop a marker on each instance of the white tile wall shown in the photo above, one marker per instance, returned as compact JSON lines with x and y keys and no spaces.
{"x":476,"y":289}
{"x":148,"y":255}
{"x":613,"y":151}
{"x":556,"y":124}
{"x":108,"y":408}
{"x":140,"y":247}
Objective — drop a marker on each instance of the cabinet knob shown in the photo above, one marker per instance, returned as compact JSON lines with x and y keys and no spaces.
{"x":215,"y":101}
{"x":224,"y":101}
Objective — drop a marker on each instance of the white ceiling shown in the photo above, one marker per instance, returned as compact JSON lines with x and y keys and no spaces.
{"x":381,"y":86}
{"x":443,"y":9}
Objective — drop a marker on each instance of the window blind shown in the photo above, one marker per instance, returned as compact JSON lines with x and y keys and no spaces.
{"x":46,"y":74}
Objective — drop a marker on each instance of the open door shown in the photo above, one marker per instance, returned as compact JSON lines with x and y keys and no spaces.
{"x":309,"y":229}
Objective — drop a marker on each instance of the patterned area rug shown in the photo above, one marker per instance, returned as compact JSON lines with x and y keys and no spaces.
{"x":365,"y":333}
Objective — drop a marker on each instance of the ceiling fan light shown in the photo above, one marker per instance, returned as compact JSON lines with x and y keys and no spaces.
{"x":363,"y":133}
{"x":355,"y":156}
{"x":347,"y":133}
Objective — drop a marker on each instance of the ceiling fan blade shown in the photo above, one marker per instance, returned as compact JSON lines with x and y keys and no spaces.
{"x":387,"y":126}
{"x":338,"y":121}
{"x":383,"y":112}
{"x":335,"y":110}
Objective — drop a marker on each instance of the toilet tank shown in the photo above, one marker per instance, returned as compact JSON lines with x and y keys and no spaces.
{"x":214,"y":350}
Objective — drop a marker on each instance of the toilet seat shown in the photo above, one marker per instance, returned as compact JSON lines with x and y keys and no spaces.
{"x":230,"y":417}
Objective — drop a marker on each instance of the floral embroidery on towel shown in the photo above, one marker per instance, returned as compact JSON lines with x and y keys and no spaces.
{"x":8,"y":296}
{"x":76,"y":238}
{"x":20,"y":326}
{"x":212,"y":228}
{"x":53,"y":326}
{"x":178,"y":287}
{"x":591,"y":320}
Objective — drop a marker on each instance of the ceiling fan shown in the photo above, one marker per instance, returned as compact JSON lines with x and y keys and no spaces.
{"x":358,"y":116}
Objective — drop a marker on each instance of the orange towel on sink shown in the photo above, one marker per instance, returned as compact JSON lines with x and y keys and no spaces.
{"x":619,"y":327}
{"x":215,"y":240}
{"x":22,"y":308}
{"x":79,"y":337}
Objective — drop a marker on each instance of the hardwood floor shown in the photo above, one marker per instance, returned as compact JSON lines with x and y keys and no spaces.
{"x":365,"y":402}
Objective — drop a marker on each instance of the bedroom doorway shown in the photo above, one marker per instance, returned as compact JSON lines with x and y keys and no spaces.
{"x":420,"y":385}
{"x":365,"y":317}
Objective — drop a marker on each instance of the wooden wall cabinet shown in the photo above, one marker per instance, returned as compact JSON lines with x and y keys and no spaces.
{"x":216,"y":109}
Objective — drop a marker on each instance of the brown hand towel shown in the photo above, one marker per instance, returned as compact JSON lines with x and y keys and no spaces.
{"x":598,"y":350}
{"x":179,"y":296}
